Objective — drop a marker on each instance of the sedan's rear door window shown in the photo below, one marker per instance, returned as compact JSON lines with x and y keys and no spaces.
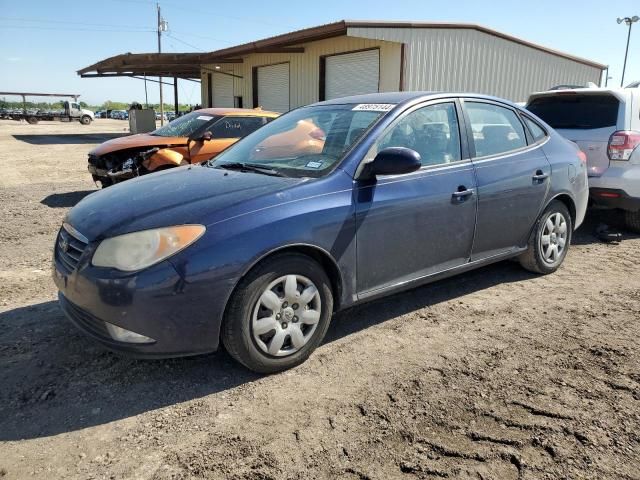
{"x":536,"y":130}
{"x":496,"y":129}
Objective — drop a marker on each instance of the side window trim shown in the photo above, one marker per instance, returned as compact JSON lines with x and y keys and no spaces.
{"x":525,"y":117}
{"x":472,"y":145}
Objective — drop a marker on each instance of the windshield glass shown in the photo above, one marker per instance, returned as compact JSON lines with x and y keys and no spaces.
{"x":307,"y":142}
{"x":186,"y":125}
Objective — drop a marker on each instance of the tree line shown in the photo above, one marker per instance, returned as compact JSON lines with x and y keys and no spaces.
{"x":107,"y":105}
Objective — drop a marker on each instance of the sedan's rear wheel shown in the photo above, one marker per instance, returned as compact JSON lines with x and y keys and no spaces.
{"x":279,"y":314}
{"x":549,"y":240}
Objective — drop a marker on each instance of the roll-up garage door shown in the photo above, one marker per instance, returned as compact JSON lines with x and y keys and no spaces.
{"x":273,"y":87}
{"x":222,"y":90}
{"x":352,"y":74}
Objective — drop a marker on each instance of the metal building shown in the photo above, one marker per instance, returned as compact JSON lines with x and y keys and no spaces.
{"x":352,"y":57}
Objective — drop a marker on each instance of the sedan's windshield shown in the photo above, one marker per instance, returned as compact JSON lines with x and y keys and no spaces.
{"x":307,"y":142}
{"x":186,"y":125}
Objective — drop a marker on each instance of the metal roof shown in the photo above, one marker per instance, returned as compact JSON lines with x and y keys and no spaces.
{"x":188,"y":65}
{"x":182,"y":65}
{"x":341,"y":28}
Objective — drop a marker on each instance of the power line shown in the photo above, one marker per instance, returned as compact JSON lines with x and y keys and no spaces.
{"x":182,"y":41}
{"x":38,"y":20}
{"x":72,"y":29}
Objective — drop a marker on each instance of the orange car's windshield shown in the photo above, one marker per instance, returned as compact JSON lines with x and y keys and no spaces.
{"x":307,"y":142}
{"x":187,"y":125}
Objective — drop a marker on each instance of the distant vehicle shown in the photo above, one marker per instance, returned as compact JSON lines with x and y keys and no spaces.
{"x":158,"y":116}
{"x":192,"y":138}
{"x":71,"y":112}
{"x":605,"y":123}
{"x":119,"y":114}
{"x":259,"y":253}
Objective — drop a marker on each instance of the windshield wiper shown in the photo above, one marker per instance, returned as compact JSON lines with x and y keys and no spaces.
{"x":249,"y":167}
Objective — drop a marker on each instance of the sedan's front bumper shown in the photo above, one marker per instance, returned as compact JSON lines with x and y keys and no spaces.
{"x":181,"y":319}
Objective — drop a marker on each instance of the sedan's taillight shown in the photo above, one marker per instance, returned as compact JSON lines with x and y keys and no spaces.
{"x":622,"y":143}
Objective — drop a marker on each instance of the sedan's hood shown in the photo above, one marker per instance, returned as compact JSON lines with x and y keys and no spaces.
{"x":192,"y":194}
{"x":134,"y":141}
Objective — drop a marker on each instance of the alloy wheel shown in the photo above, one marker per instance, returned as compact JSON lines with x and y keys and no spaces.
{"x":553,"y":240}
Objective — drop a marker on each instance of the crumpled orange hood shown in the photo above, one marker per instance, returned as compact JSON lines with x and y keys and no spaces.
{"x":133,"y":141}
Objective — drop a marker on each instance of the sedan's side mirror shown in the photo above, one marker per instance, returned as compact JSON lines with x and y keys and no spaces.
{"x":206,"y":136}
{"x":393,"y":161}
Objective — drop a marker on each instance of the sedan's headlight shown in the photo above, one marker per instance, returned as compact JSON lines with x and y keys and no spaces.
{"x":138,"y":250}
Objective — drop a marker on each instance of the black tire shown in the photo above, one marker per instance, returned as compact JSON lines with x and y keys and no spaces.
{"x":533,"y":259}
{"x":32,"y":120}
{"x":632,"y":221}
{"x":237,"y":335}
{"x":85,"y":120}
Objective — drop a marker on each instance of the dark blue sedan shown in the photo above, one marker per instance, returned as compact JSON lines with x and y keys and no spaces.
{"x":327,"y":206}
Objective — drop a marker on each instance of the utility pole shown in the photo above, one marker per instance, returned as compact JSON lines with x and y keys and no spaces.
{"x":162,"y":27}
{"x":629,"y":21}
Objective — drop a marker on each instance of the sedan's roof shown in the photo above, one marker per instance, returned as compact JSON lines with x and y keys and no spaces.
{"x":386,"y":97}
{"x":257,"y":112}
{"x":403,"y":97}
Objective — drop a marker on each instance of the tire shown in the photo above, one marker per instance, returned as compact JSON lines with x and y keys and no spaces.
{"x":32,"y":120}
{"x":85,"y":120}
{"x":632,"y":221}
{"x":538,"y":257}
{"x":247,"y":308}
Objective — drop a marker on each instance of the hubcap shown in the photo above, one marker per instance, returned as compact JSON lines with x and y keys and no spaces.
{"x":554,"y":238}
{"x":286,"y":315}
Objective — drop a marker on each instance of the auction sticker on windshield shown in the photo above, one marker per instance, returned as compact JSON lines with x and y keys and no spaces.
{"x":204,"y":117}
{"x":374,"y":107}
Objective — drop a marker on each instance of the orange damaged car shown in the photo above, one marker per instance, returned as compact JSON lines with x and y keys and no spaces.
{"x":192,"y":138}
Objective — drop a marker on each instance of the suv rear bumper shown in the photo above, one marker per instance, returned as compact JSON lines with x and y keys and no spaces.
{"x":613,"y":198}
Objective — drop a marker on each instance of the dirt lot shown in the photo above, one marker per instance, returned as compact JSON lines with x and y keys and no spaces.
{"x":497,"y":374}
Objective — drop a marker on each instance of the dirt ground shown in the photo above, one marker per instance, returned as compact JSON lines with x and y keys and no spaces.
{"x":497,"y":374}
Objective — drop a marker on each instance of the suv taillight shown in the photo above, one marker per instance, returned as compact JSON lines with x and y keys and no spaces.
{"x":622,"y":143}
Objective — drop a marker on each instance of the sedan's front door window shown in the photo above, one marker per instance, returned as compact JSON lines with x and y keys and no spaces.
{"x":237,"y":127}
{"x":495,"y":129}
{"x":432,"y":131}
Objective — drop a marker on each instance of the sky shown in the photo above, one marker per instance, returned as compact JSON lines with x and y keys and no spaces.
{"x":44,"y":42}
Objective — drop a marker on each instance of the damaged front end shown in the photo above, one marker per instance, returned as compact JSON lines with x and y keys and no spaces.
{"x":111,"y":169}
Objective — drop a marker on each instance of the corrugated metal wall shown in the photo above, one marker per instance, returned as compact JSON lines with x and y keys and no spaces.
{"x":466,"y":60}
{"x":305,"y":68}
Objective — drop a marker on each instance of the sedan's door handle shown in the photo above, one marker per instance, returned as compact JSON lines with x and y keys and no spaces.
{"x":461,"y":194}
{"x":539,"y":176}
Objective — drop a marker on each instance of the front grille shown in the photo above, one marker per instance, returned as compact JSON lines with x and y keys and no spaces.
{"x":69,"y":249}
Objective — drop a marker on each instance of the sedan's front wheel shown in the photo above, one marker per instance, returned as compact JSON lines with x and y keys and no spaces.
{"x":278,"y":314}
{"x":549,"y":240}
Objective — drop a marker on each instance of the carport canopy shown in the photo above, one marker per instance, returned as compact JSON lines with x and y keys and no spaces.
{"x":142,"y":65}
{"x":177,"y":65}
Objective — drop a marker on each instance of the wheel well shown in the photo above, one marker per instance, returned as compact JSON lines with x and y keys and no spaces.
{"x":568,"y":202}
{"x":320,"y":256}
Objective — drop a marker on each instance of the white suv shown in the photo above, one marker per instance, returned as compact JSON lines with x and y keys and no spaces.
{"x":605,"y":123}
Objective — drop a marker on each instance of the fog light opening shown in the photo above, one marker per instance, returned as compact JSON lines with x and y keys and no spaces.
{"x":127,"y":336}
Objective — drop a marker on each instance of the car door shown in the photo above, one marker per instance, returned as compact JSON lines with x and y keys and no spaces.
{"x":513,"y":177}
{"x":410,"y":226}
